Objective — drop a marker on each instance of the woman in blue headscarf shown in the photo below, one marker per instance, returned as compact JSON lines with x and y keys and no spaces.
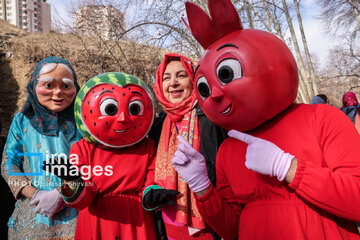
{"x":43,"y":130}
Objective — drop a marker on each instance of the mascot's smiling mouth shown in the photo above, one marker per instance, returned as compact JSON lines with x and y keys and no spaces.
{"x":120,"y":131}
{"x":227,"y":110}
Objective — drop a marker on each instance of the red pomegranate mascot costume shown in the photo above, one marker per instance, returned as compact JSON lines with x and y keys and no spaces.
{"x":295,"y":173}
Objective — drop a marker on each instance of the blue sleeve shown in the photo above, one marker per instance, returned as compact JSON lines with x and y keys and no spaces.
{"x":13,"y":146}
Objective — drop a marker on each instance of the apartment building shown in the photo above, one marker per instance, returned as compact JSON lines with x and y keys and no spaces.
{"x":30,"y":15}
{"x":105,"y":22}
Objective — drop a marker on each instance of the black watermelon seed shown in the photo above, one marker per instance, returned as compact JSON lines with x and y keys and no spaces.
{"x":94,"y":123}
{"x":90,"y":111}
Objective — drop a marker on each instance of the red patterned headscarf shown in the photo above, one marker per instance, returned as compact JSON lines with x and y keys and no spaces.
{"x":185,"y":114}
{"x":175,"y":111}
{"x":349,"y":99}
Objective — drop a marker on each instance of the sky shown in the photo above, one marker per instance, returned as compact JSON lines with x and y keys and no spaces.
{"x":318,"y":41}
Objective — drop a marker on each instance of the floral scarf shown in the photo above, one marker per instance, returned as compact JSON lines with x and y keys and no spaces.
{"x":165,"y":175}
{"x":43,"y":120}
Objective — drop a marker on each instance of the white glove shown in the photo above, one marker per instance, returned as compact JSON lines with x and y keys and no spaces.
{"x":47,"y":202}
{"x":263,"y":156}
{"x":191,"y":166}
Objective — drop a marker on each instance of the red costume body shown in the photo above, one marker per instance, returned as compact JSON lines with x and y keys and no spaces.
{"x":110,"y":207}
{"x":314,"y":205}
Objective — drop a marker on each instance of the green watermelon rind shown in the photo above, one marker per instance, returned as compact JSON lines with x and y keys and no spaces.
{"x":114,"y":78}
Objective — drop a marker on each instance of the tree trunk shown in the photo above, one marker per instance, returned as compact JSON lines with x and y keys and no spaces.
{"x":307,"y":52}
{"x":248,"y":13}
{"x":298,"y":53}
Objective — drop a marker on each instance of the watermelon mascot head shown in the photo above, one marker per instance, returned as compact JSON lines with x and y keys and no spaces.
{"x":114,"y":110}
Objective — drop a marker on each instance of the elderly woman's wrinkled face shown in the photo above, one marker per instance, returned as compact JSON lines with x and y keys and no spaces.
{"x":176,"y":83}
{"x":56,"y":90}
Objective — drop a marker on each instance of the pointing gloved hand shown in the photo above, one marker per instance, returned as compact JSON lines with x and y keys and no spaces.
{"x":159,"y":198}
{"x":47,"y":202}
{"x":263,"y":156}
{"x":191,"y":166}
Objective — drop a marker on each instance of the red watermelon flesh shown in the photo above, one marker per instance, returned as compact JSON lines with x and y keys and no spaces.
{"x":117,"y":116}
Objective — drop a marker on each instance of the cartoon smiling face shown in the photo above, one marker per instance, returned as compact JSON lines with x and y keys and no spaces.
{"x":115,"y":115}
{"x":245,"y":78}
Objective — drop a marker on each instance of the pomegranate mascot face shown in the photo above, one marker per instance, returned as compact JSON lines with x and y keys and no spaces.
{"x":245,"y":76}
{"x":114,"y":110}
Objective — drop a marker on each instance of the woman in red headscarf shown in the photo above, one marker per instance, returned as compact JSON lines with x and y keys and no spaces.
{"x":174,"y":90}
{"x":351,"y":108}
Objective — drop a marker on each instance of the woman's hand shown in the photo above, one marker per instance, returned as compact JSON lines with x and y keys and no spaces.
{"x":28,"y":191}
{"x":265,"y":157}
{"x":47,"y":202}
{"x":191,"y":166}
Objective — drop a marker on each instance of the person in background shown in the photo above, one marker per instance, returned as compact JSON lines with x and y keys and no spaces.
{"x":320,"y":98}
{"x":44,"y":127}
{"x":350,"y":105}
{"x":174,"y":90}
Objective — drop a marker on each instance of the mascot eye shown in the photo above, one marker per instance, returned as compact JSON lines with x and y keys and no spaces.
{"x":203,"y":88}
{"x":109,"y":107}
{"x":136,"y":107}
{"x":229,"y":70}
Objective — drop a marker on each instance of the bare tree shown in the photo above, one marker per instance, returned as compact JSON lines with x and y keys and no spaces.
{"x":342,"y":21}
{"x":158,"y":23}
{"x":340,"y":15}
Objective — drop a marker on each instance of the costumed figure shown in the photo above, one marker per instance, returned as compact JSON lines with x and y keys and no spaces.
{"x":295,"y":173}
{"x":115,"y":159}
{"x":45,"y":127}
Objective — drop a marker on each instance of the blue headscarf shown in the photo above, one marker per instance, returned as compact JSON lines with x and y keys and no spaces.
{"x":43,"y":120}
